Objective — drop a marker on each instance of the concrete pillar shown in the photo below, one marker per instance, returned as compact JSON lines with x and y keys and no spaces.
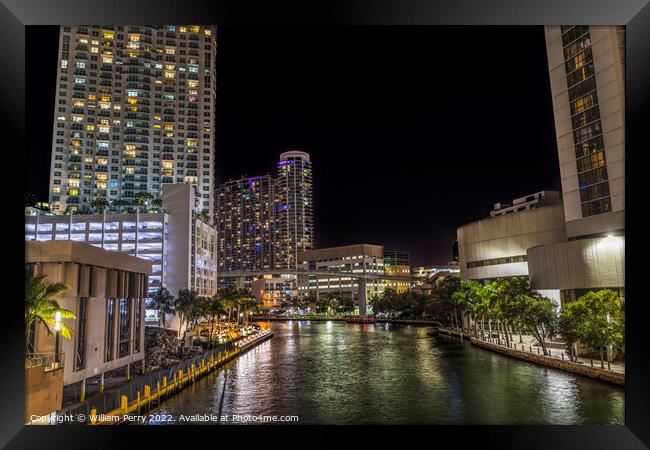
{"x":362,"y":297}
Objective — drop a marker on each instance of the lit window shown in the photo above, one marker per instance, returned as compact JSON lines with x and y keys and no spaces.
{"x":168,"y":164}
{"x":109,"y":35}
{"x":194,"y":28}
{"x":208,"y":32}
{"x":80,"y":64}
{"x":64,"y":63}
{"x":170,"y":51}
{"x":94,"y":50}
{"x":92,"y":97}
{"x":134,"y":37}
{"x":182,"y":29}
{"x":102,"y":161}
{"x":80,"y":80}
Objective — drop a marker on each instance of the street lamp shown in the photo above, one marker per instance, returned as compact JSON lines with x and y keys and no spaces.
{"x":57,"y":329}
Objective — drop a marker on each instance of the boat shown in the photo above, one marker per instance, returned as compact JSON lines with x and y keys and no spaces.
{"x":359,"y":319}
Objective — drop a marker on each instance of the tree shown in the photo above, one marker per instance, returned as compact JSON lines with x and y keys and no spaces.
{"x":99,"y":204}
{"x":467,"y":299}
{"x":183,"y":305}
{"x":538,"y":317}
{"x":143,"y":198}
{"x":30,"y":199}
{"x":213,"y":310}
{"x":164,"y":303}
{"x":597,"y":320}
{"x":42,"y":308}
{"x":510,"y":290}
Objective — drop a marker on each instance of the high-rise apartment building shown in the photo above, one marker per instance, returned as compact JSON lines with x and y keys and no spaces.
{"x":294,"y":213}
{"x":244,"y":224}
{"x":134,"y":109}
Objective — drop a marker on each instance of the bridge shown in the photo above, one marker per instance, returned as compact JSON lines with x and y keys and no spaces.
{"x":363,"y":278}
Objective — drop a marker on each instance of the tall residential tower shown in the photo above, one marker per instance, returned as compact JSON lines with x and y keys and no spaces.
{"x":244,"y":223}
{"x":134,"y":109}
{"x":294,"y":212}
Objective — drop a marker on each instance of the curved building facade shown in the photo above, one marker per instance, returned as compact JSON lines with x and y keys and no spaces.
{"x":497,"y":247}
{"x":578,"y":266}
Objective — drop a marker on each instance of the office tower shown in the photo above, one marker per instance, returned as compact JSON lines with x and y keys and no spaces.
{"x":294,"y":213}
{"x":587,"y":75}
{"x":398,"y":263}
{"x":245,"y":224}
{"x":134,"y":109}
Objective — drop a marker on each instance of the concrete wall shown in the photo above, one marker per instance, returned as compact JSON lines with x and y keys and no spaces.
{"x":579,"y":264}
{"x":507,"y":235}
{"x":43,"y":391}
{"x":95,"y":274}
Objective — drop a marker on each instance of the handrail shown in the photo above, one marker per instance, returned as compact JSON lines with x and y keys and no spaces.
{"x":51,"y":361}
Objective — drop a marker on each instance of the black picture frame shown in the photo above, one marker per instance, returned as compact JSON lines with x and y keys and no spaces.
{"x":635,"y":14}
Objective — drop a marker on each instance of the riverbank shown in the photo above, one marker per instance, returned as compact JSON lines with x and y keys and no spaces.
{"x":608,"y":376}
{"x":341,"y":319}
{"x":153,"y":394}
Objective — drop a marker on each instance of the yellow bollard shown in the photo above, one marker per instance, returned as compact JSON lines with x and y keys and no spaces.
{"x":82,"y":396}
{"x":93,"y":415}
{"x":137,"y":401}
{"x":147,"y":394}
{"x":124,"y":403}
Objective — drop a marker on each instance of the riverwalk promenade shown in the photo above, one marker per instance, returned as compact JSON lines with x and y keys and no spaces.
{"x":143,"y":392}
{"x":530,"y":350}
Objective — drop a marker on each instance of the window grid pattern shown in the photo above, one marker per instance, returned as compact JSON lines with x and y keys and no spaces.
{"x":585,"y":121}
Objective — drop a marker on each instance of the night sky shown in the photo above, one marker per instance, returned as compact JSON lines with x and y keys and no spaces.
{"x":413,"y":131}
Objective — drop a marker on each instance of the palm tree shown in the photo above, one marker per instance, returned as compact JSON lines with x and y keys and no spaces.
{"x":99,"y":204}
{"x":143,"y":198}
{"x":249,"y":305}
{"x":243,"y":296}
{"x":213,"y":310}
{"x":164,"y":302}
{"x":42,"y":308}
{"x":183,"y":305}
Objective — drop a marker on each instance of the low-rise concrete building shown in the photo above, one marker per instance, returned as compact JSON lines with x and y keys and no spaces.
{"x":106,"y":292}
{"x":497,"y":247}
{"x":358,"y":258}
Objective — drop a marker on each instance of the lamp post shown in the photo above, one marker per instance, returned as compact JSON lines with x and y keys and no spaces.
{"x":57,"y":330}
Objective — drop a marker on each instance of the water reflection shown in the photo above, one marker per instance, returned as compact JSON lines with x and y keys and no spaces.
{"x":333,"y":373}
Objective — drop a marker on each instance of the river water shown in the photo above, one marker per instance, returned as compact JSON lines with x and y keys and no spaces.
{"x":333,"y":373}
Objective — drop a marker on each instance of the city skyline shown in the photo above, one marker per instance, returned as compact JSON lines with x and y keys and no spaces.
{"x":347,"y":126}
